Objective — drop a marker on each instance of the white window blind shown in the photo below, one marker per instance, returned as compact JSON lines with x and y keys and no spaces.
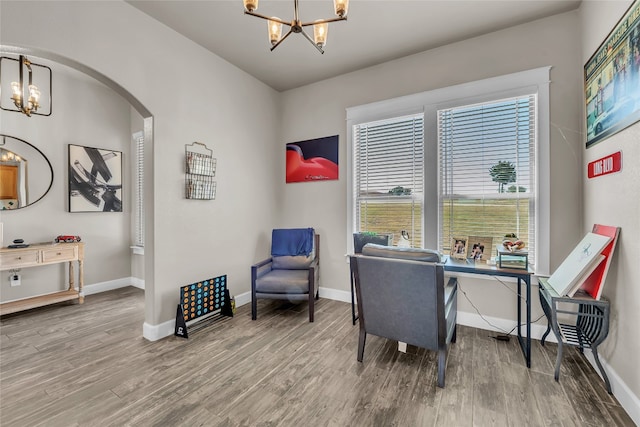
{"x":138,"y":155}
{"x":487,"y":172}
{"x":388,"y":177}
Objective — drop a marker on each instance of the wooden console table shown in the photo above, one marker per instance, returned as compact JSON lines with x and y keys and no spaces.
{"x":44,"y":254}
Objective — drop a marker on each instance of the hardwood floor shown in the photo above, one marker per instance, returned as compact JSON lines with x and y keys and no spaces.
{"x":78,"y":365}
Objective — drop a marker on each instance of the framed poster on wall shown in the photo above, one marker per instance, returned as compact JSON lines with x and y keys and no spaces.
{"x":312,"y":160}
{"x":612,"y":80}
{"x":95,"y":179}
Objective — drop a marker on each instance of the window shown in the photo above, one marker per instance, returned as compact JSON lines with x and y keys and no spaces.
{"x":138,"y":203}
{"x":388,"y":177}
{"x":487,"y":182}
{"x":484,"y":170}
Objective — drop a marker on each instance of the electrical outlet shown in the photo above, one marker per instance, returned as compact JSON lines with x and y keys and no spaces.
{"x":15,"y":279}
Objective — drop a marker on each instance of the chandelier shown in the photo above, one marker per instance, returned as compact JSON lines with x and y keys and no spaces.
{"x":320,"y":26}
{"x":25,"y":94}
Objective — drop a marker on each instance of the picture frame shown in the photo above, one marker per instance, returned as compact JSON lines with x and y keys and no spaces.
{"x":480,"y":248}
{"x":458,"y":247}
{"x":312,"y":160}
{"x":95,"y":179}
{"x":612,"y":80}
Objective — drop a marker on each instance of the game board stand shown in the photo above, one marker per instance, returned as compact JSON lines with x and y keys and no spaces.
{"x":202,"y":303}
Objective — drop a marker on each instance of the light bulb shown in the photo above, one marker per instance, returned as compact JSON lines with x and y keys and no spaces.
{"x":341,"y":7}
{"x":275,"y":30}
{"x":250,"y":5}
{"x":320,"y":31}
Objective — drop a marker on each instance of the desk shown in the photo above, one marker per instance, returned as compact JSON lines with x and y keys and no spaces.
{"x":523,"y":276}
{"x":44,"y":254}
{"x":470,"y":267}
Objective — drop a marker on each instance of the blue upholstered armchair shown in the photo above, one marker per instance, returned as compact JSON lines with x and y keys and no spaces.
{"x":292,"y":271}
{"x":402,"y":296}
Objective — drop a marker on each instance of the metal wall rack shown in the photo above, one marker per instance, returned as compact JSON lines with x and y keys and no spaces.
{"x":200,"y":171}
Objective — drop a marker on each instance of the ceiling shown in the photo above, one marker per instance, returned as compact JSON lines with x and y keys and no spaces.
{"x":375,"y":32}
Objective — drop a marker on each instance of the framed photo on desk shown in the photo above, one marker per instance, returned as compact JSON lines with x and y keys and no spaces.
{"x":480,"y":248}
{"x":458,"y":248}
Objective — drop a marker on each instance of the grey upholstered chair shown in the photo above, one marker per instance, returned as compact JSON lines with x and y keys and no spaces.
{"x":402,"y":296}
{"x":288,"y":277}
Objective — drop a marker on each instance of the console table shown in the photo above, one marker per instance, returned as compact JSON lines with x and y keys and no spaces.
{"x":44,"y":254}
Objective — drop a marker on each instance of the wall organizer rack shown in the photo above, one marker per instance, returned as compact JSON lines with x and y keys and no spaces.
{"x":200,"y":172}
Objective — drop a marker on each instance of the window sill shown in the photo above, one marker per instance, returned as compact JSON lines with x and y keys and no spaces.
{"x":137,"y":250}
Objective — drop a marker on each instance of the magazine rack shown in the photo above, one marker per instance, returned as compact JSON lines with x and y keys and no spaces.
{"x":588,"y":315}
{"x":589,"y":328}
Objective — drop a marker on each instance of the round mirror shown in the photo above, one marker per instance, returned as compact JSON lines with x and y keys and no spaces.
{"x":26,"y":174}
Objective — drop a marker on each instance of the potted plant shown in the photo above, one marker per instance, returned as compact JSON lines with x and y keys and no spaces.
{"x":362,"y":238}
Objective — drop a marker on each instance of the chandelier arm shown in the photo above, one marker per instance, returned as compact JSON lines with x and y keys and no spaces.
{"x":311,"y":41}
{"x":281,"y":40}
{"x":267,"y":18}
{"x":323,"y":21}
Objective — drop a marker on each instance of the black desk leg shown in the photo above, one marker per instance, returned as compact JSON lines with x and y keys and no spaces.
{"x":525,"y":343}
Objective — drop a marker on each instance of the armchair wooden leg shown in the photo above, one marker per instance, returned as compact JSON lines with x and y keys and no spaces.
{"x":361,"y":341}
{"x":311,"y":306}
{"x":442,"y":364}
{"x":254,"y":307}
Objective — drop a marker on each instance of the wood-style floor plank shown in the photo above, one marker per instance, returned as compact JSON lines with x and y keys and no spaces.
{"x":78,"y":365}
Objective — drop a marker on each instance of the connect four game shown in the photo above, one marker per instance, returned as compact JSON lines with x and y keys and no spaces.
{"x":202,"y":300}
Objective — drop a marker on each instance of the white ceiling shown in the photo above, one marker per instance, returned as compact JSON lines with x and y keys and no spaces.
{"x":375,"y":32}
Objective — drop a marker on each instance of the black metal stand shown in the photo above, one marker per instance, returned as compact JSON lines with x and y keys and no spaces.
{"x":181,"y":329}
{"x":591,"y":325}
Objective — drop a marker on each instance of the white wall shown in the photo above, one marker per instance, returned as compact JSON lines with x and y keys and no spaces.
{"x":319,"y":110}
{"x":85,"y":112}
{"x":193,"y":96}
{"x":613,"y":200}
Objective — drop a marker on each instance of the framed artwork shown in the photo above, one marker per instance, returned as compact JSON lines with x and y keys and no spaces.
{"x":612,"y":80}
{"x":458,"y":248}
{"x":95,"y":179}
{"x":480,"y":248}
{"x":312,"y":160}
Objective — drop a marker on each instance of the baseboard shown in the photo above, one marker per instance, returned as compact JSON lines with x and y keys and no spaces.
{"x":156,"y":332}
{"x":500,"y":325}
{"x":137,"y":283}
{"x":629,"y":401}
{"x":242,"y":299}
{"x":335,"y":294}
{"x":110,"y":285}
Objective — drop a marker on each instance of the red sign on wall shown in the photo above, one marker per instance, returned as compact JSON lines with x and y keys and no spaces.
{"x":606,"y":165}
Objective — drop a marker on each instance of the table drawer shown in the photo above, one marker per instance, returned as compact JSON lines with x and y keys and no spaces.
{"x":59,"y":254}
{"x":18,"y":259}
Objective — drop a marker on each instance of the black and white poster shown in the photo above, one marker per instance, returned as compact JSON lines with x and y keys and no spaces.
{"x":95,"y":179}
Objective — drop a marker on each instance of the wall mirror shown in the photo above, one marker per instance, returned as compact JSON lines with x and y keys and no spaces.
{"x":26,"y":174}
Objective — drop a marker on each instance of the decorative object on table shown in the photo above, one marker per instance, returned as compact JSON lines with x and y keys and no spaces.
{"x":26,"y":92}
{"x":18,"y":243}
{"x":512,"y":243}
{"x":574,"y":266}
{"x":480,"y":248}
{"x":405,"y":239}
{"x":610,"y":90}
{"x":67,"y":239}
{"x":320,"y":26}
{"x":312,"y":160}
{"x":207,"y":299}
{"x":95,"y":179}
{"x":362,"y":238}
{"x":512,"y":258}
{"x":200,"y":170}
{"x":458,"y":248}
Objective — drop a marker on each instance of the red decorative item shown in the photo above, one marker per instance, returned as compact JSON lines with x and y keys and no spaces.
{"x":605,"y":165}
{"x":67,"y":239}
